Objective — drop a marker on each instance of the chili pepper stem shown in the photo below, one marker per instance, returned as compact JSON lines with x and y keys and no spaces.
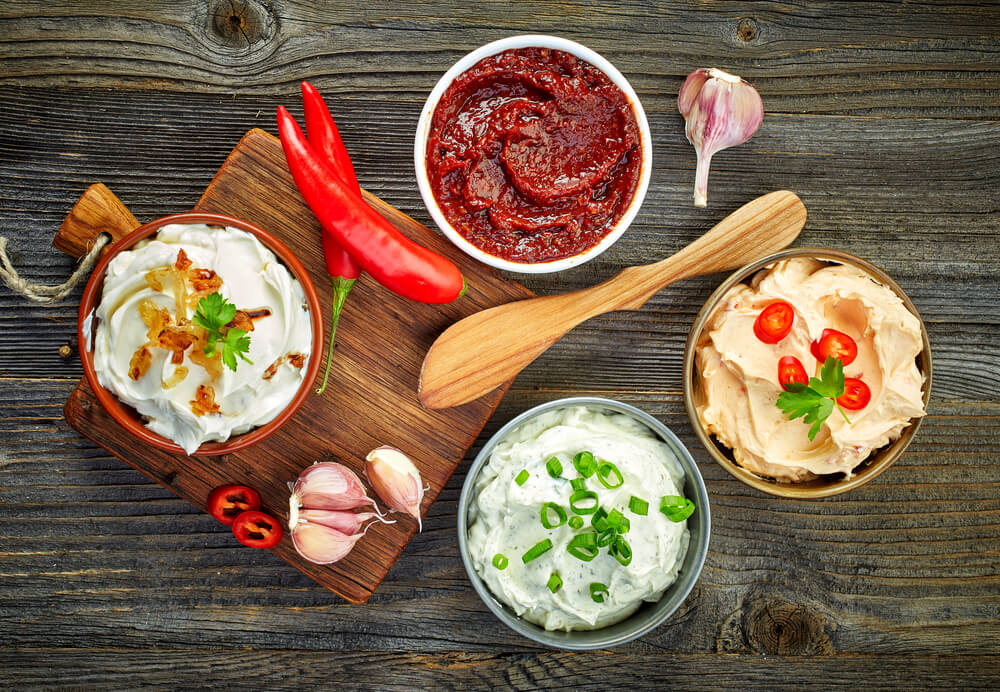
{"x":340,"y":287}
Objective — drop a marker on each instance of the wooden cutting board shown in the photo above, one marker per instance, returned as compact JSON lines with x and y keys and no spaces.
{"x":371,"y":399}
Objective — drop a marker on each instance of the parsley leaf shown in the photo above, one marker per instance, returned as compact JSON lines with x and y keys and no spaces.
{"x":213,"y":314}
{"x":815,"y":402}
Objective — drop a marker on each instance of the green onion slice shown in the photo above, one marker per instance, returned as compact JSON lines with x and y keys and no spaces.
{"x":578,"y":484}
{"x":618,"y":521}
{"x":555,"y":582}
{"x":583,"y":546}
{"x":500,"y":561}
{"x":522,"y":477}
{"x":638,"y":506}
{"x":581,"y":496}
{"x":676,"y":508}
{"x":538,"y":549}
{"x":598,"y":591}
{"x":585,"y":464}
{"x":600,"y":520}
{"x":547,"y":510}
{"x":575,"y":522}
{"x":554,"y":467}
{"x":621,"y":551}
{"x":606,"y":472}
{"x":606,"y":537}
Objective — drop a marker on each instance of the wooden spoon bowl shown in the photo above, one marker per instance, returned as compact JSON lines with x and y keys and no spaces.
{"x":479,"y":353}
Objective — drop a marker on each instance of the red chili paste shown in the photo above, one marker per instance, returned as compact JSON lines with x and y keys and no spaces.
{"x":533,"y":155}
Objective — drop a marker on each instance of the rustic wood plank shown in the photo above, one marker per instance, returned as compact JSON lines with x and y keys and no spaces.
{"x":170,"y":668}
{"x":888,"y":58}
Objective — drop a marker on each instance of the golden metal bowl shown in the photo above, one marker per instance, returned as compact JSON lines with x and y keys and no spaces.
{"x":823,"y":486}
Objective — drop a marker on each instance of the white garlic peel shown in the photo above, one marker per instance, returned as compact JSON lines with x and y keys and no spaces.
{"x":721,"y":111}
{"x":395,"y":480}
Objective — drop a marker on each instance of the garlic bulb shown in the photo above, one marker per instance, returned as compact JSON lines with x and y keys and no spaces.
{"x":321,"y":517}
{"x":721,"y":111}
{"x":396,"y":480}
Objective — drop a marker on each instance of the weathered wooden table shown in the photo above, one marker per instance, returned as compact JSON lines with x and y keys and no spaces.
{"x":884,"y":117}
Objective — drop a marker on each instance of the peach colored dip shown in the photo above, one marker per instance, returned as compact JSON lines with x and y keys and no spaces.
{"x":737,"y":375}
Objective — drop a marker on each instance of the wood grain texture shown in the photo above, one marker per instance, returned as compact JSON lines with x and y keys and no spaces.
{"x":883,"y":116}
{"x":372,"y":396}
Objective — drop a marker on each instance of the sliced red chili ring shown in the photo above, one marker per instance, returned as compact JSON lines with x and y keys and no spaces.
{"x":257,"y":530}
{"x":790,"y":370}
{"x":835,"y":344}
{"x":774,"y":322}
{"x":226,"y":502}
{"x":856,"y":394}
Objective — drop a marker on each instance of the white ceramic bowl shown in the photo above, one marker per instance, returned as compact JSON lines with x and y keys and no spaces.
{"x":423,"y":129}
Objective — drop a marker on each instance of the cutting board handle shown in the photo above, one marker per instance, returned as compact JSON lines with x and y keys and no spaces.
{"x":97,"y":211}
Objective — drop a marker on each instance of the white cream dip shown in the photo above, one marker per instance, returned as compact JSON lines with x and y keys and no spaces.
{"x":737,"y":374}
{"x":505,"y":518}
{"x":252,"y":277}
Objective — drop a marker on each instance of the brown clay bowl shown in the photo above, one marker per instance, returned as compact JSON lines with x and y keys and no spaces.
{"x":126,"y":415}
{"x":823,"y":486}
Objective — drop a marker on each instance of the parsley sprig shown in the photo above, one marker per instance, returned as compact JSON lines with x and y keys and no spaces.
{"x":815,"y":401}
{"x":213,"y":313}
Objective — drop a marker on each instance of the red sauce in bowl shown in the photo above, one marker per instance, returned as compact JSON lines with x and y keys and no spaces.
{"x":533,"y":155}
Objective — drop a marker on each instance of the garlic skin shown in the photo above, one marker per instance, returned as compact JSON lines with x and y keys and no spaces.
{"x":721,"y":111}
{"x":329,"y":485}
{"x":321,"y":544}
{"x":395,"y":480}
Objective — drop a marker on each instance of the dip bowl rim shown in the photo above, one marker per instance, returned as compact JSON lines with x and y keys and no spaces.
{"x":423,"y":132}
{"x":820,"y":487}
{"x":649,"y":615}
{"x":130,"y":419}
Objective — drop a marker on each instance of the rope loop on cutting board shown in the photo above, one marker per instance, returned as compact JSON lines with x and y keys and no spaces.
{"x":41,"y":293}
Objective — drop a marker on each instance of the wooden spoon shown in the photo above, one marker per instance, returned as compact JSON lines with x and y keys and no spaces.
{"x":482,"y":351}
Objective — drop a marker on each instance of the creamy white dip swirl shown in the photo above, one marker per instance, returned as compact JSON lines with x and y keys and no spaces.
{"x":505,"y":518}
{"x":252,"y":277}
{"x":737,"y":374}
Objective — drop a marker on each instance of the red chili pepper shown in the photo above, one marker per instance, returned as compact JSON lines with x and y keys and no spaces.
{"x":257,"y":530}
{"x":322,"y":134}
{"x":226,"y":502}
{"x":392,"y":259}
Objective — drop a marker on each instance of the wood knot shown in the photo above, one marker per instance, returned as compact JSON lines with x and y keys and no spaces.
{"x":786,"y":629}
{"x":240,"y":24}
{"x":746,"y":30}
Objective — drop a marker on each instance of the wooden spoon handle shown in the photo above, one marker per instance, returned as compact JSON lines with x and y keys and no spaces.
{"x":484,"y":350}
{"x":97,"y":211}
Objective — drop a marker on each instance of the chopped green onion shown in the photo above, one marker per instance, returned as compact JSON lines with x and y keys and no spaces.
{"x":582,"y":495}
{"x":578,"y":484}
{"x":555,"y":582}
{"x":618,"y":521}
{"x":583,"y":546}
{"x":638,"y":506}
{"x":538,"y":549}
{"x":600,"y":520}
{"x":575,"y":522}
{"x":604,"y":473}
{"x":522,"y":477}
{"x":554,"y":467}
{"x":598,"y":591}
{"x":621,"y":551}
{"x":549,"y":507}
{"x":585,"y":464}
{"x":500,"y":561}
{"x":676,"y":508}
{"x":606,"y":537}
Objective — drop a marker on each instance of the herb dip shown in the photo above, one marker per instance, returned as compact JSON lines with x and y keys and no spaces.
{"x":504,"y":517}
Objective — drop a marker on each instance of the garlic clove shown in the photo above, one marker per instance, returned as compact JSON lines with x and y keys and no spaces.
{"x":329,"y":485}
{"x":721,"y":111}
{"x":395,"y":480}
{"x":344,"y":521}
{"x":321,"y":544}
